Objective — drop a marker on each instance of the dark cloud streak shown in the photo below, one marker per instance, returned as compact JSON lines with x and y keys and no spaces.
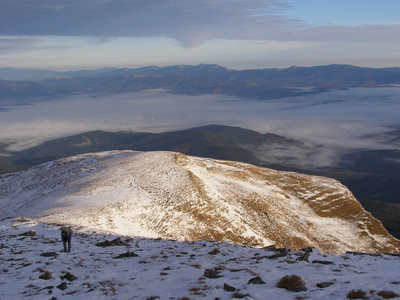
{"x":190,"y":22}
{"x":186,"y":21}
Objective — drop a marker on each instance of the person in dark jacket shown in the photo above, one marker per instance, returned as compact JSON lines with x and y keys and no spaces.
{"x":66,"y":234}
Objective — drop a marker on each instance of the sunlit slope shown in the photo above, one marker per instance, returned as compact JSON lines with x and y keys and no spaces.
{"x":170,"y":195}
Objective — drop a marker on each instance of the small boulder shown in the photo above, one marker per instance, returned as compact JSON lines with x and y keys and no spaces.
{"x":270,"y":248}
{"x":62,"y":286}
{"x":211,"y":273}
{"x":306,"y":254}
{"x":49,"y":254}
{"x":229,"y":288}
{"x":323,"y":262}
{"x":215,"y":251}
{"x":281,"y":253}
{"x":292,"y":283}
{"x":69,"y":277}
{"x":256,"y":280}
{"x":115,"y":242}
{"x":28,"y":233}
{"x":126,"y":254}
{"x":324,"y":284}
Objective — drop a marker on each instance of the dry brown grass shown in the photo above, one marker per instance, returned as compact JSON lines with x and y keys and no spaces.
{"x":238,"y":295}
{"x":388,"y":294}
{"x":22,"y":219}
{"x":359,"y":294}
{"x":46,"y":275}
{"x":292,"y":283}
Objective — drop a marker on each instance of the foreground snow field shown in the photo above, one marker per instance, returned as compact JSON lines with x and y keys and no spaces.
{"x":33,"y":267}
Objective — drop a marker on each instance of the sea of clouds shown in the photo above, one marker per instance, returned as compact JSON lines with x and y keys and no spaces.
{"x":330,"y":123}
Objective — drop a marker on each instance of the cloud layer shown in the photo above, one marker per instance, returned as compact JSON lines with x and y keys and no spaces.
{"x":329,"y":124}
{"x":190,"y":21}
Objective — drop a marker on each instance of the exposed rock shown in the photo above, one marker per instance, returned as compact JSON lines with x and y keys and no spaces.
{"x":115,"y":242}
{"x":28,"y":233}
{"x":49,"y":254}
{"x":69,"y":277}
{"x":282,"y":252}
{"x":62,"y":286}
{"x":306,"y":254}
{"x":270,"y":248}
{"x":324,"y":284}
{"x":126,"y":254}
{"x":229,"y":288}
{"x":211,"y":273}
{"x":256,"y":280}
{"x":322,"y":262}
{"x":215,"y":251}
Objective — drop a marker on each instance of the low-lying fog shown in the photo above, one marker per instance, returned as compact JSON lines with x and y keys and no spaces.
{"x":339,"y":120}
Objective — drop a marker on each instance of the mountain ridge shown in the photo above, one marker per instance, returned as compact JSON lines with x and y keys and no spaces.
{"x":208,"y":79}
{"x":371,"y":176}
{"x":214,"y":141}
{"x":174,"y":196}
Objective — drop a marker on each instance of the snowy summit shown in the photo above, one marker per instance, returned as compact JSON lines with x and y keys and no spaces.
{"x":169,"y":195}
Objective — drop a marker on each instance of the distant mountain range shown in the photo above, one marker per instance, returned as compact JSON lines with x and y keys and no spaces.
{"x":196,"y":80}
{"x":216,"y":141}
{"x":21,"y":89}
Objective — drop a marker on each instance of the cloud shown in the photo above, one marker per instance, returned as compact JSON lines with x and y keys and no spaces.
{"x":296,"y":156}
{"x":187,"y":21}
{"x":12,"y":45}
{"x":357,"y":33}
{"x":329,"y":124}
{"x":190,"y":22}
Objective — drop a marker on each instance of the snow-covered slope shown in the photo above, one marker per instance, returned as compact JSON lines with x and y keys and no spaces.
{"x":173,"y":196}
{"x":32,"y":267}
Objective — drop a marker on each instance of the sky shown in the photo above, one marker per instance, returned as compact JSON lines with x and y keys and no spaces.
{"x":238,"y":34}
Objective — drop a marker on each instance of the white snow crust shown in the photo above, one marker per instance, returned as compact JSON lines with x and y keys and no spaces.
{"x":173,"y":196}
{"x":166,"y":269}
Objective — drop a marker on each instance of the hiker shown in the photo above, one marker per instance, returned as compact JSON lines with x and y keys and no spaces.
{"x":66,"y":233}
